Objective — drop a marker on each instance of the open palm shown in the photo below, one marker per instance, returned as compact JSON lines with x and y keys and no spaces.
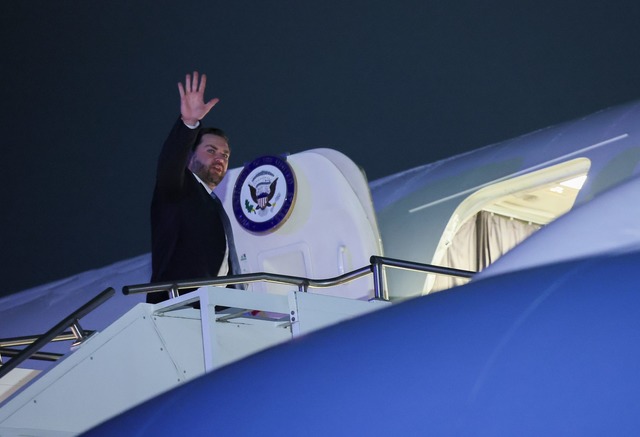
{"x":193,"y":108}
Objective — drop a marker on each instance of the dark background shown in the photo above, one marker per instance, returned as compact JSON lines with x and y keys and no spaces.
{"x":88,"y":92}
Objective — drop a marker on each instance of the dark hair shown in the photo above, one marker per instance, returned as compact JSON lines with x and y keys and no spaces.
{"x":210,"y":131}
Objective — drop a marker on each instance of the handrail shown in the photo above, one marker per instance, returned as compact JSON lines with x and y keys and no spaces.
{"x":379,"y":262}
{"x":429,"y":268}
{"x":247,"y":278}
{"x":376,"y":268}
{"x":42,"y":356}
{"x":27,"y":340}
{"x":71,"y":321}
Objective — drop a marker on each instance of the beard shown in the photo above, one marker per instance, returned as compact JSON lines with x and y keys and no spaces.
{"x":208,"y":174}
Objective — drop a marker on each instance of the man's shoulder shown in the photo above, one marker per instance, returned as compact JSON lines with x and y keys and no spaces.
{"x":167,"y":193}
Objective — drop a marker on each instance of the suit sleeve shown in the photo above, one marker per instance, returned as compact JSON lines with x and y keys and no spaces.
{"x":172,"y":162}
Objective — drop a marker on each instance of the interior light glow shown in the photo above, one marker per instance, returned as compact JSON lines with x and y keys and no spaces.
{"x":575,"y":183}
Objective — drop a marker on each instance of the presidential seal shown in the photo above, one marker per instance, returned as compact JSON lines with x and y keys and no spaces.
{"x":264,"y":194}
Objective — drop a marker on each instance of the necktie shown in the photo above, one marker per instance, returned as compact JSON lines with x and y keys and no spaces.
{"x":234,"y":264}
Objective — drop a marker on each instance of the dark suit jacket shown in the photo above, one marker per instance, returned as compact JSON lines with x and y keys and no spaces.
{"x":187,"y":234}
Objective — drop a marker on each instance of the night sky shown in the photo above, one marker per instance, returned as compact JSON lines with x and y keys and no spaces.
{"x":89,"y":92}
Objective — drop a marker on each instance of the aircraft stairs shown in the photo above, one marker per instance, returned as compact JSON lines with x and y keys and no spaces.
{"x":154,"y":348}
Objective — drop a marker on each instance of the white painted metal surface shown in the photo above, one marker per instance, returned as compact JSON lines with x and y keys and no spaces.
{"x":331,"y":230}
{"x":154,"y":348}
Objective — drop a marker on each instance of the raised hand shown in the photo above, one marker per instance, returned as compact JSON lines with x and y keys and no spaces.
{"x":192,"y":105}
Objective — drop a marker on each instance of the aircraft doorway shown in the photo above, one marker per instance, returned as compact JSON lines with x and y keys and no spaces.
{"x":496,"y":218}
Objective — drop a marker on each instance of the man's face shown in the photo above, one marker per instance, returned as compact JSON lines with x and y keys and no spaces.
{"x":210,"y":159}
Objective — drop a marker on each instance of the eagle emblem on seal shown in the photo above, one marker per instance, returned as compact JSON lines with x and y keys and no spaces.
{"x":263,"y":192}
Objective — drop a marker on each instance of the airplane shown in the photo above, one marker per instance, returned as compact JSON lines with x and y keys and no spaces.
{"x":541,"y":224}
{"x":550,"y":350}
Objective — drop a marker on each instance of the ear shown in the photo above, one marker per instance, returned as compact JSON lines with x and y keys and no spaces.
{"x":190,"y":157}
